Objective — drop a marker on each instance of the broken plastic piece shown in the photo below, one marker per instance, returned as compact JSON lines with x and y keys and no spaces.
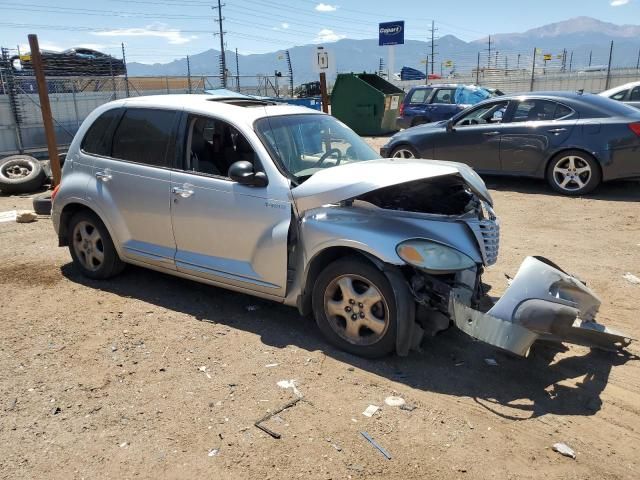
{"x":376,"y":445}
{"x":564,"y":449}
{"x":370,"y":411}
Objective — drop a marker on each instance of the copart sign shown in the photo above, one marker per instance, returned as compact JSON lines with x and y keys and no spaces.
{"x":391,"y":33}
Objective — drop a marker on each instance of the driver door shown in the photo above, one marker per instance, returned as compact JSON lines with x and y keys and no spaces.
{"x":226,"y":232}
{"x":475,"y":138}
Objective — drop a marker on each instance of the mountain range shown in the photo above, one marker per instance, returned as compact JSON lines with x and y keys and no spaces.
{"x":586,"y":39}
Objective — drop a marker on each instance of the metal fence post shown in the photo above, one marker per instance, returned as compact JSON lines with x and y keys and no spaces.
{"x":166,"y":79}
{"x":606,"y":85}
{"x":478,"y":70}
{"x":126,"y":75}
{"x":189,"y":74}
{"x":75,"y":102}
{"x":533,"y":69}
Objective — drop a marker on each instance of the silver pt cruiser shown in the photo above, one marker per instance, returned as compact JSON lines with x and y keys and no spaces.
{"x":289,"y":204}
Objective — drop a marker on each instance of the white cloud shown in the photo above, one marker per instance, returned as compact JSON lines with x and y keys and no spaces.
{"x":95,"y":46}
{"x":618,"y":3}
{"x":325,"y":7}
{"x":284,"y":25}
{"x":326,"y":35}
{"x":172,"y":36}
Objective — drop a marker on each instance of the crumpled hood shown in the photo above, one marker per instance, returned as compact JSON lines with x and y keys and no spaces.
{"x":347,"y":181}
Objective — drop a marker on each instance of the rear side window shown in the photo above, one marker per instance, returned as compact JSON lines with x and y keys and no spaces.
{"x":444,"y":95}
{"x":145,"y":136}
{"x":96,"y":140}
{"x":561,"y":111}
{"x":539,"y":110}
{"x":420,"y":95}
{"x":619,"y":95}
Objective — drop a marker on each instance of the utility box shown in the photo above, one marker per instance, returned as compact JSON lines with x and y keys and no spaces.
{"x":366,"y":102}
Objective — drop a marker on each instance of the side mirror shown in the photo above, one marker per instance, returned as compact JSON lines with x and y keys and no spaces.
{"x":450,"y":126}
{"x":243,"y":173}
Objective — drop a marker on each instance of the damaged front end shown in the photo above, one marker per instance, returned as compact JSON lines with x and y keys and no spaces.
{"x":542,"y":303}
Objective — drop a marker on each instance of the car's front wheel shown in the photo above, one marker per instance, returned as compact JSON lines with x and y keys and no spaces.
{"x":573,"y":173}
{"x":355,"y":308}
{"x":91,"y":247}
{"x":404,"y":151}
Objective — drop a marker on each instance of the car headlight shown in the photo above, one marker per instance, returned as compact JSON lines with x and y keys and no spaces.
{"x":433,"y":257}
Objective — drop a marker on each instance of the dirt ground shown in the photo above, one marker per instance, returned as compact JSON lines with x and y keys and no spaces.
{"x":149,"y":376}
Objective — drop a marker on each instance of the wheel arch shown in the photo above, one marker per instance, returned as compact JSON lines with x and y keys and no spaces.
{"x":556,"y":154}
{"x":68,"y":211}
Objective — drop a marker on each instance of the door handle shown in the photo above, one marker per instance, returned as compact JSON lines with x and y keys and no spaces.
{"x":557,"y":130}
{"x":183,"y":192}
{"x":492,"y":134}
{"x":105,"y":176}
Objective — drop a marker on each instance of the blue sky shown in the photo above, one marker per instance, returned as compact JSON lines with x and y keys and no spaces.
{"x":161,"y":30}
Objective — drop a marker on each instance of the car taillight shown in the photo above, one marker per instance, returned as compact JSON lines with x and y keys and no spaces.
{"x":635,"y":128}
{"x":401,"y":109}
{"x":55,"y":192}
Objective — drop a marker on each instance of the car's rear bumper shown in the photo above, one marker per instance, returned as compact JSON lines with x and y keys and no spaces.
{"x":542,"y":303}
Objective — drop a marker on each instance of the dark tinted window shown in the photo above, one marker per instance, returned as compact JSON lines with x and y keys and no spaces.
{"x":619,"y":95}
{"x":445,"y":95}
{"x":539,"y":110}
{"x":420,"y":95}
{"x":635,"y":95}
{"x":96,"y":140}
{"x":144,"y":136}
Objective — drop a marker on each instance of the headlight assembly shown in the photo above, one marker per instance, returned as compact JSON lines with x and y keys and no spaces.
{"x":433,"y":257}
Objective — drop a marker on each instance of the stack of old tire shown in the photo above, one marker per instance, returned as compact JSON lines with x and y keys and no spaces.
{"x":25,"y":174}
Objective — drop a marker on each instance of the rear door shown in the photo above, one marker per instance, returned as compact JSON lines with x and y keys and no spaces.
{"x":416,"y":102}
{"x":131,"y":185}
{"x":535,"y":128}
{"x":475,"y":138}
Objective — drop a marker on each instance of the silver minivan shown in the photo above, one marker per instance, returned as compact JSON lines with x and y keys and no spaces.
{"x":289,"y":204}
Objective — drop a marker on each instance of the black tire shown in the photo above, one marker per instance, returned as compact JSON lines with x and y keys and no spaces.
{"x":42,"y":204}
{"x":361,"y":276}
{"x":110,"y":265}
{"x":406,"y":148}
{"x":21,"y":174}
{"x":577,"y":182}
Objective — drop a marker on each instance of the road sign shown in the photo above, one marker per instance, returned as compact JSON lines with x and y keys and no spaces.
{"x":448,"y":63}
{"x":391,"y":33}
{"x":322,"y":59}
{"x":547,"y":56}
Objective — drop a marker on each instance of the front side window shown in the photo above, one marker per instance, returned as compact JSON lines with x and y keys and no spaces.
{"x":620,"y":95}
{"x":145,"y":136}
{"x":445,"y":95}
{"x":96,"y":140}
{"x":214,"y":145}
{"x":304,"y":144}
{"x":635,"y":95}
{"x":420,"y":95}
{"x":539,"y":110}
{"x":487,"y":114}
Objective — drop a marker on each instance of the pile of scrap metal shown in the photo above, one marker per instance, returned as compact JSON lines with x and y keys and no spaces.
{"x":72,"y":62}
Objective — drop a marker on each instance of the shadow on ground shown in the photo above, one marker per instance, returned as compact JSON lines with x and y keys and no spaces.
{"x":450,"y":363}
{"x":615,"y":191}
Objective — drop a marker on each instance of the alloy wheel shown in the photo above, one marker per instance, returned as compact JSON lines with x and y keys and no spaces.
{"x":403,"y":153}
{"x":572,"y":173}
{"x":356,"y":310}
{"x":88,"y":245}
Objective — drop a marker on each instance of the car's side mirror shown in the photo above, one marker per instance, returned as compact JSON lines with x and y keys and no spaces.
{"x":450,"y":126}
{"x":243,"y":173}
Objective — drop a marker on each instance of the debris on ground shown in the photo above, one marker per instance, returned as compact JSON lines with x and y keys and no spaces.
{"x":204,"y":370}
{"x":290,"y":384}
{"x":26,"y":216}
{"x":408,"y":407}
{"x":8,"y":216}
{"x":124,"y":444}
{"x":564,"y":449}
{"x":491,"y":362}
{"x":214,"y":452}
{"x":631,"y":278}
{"x":370,"y":411}
{"x":376,"y":445}
{"x":394,"y":401}
{"x":268,"y":431}
{"x":271,"y":365}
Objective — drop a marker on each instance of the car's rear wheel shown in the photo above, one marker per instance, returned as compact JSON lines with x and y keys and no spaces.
{"x":91,"y":247}
{"x":404,"y":151}
{"x":573,"y":173}
{"x":355,"y":308}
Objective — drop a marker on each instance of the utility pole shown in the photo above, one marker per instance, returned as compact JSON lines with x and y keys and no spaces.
{"x":606,"y":87}
{"x":590,"y":55}
{"x":189,"y":74}
{"x":638,"y":62}
{"x":533,"y":68}
{"x":288,"y":57}
{"x":489,"y":55}
{"x":45,"y":107}
{"x":433,"y":44}
{"x":564,"y":59}
{"x":478,"y":70}
{"x":126,"y":75}
{"x":426,"y":71}
{"x":237,"y":72}
{"x":223,"y":62}
{"x":571,"y":61}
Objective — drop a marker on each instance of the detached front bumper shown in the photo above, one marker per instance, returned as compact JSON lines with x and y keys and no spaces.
{"x":542,"y":303}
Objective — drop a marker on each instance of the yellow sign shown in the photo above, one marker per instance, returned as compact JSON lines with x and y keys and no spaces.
{"x":25,"y":58}
{"x":547,"y":56}
{"x":448,"y":63}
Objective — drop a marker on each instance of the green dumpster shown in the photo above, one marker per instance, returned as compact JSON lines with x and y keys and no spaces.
{"x":366,"y":102}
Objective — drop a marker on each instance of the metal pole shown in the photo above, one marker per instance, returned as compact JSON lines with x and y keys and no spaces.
{"x":606,"y":86}
{"x":489,"y":56}
{"x":571,"y":61}
{"x":638,"y":62}
{"x":590,"y":55}
{"x":426,"y":71}
{"x":237,"y":72}
{"x":533,"y":69}
{"x":518,"y":67}
{"x":223,"y":63}
{"x":166,"y":80}
{"x":189,"y":74}
{"x":126,"y":75}
{"x":478,"y":70}
{"x":45,"y":107}
{"x":75,"y":102}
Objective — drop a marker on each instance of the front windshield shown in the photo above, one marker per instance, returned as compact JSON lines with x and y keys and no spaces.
{"x":305,"y":143}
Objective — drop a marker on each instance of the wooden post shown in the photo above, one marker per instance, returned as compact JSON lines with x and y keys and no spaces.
{"x":45,"y":107}
{"x":323,"y":92}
